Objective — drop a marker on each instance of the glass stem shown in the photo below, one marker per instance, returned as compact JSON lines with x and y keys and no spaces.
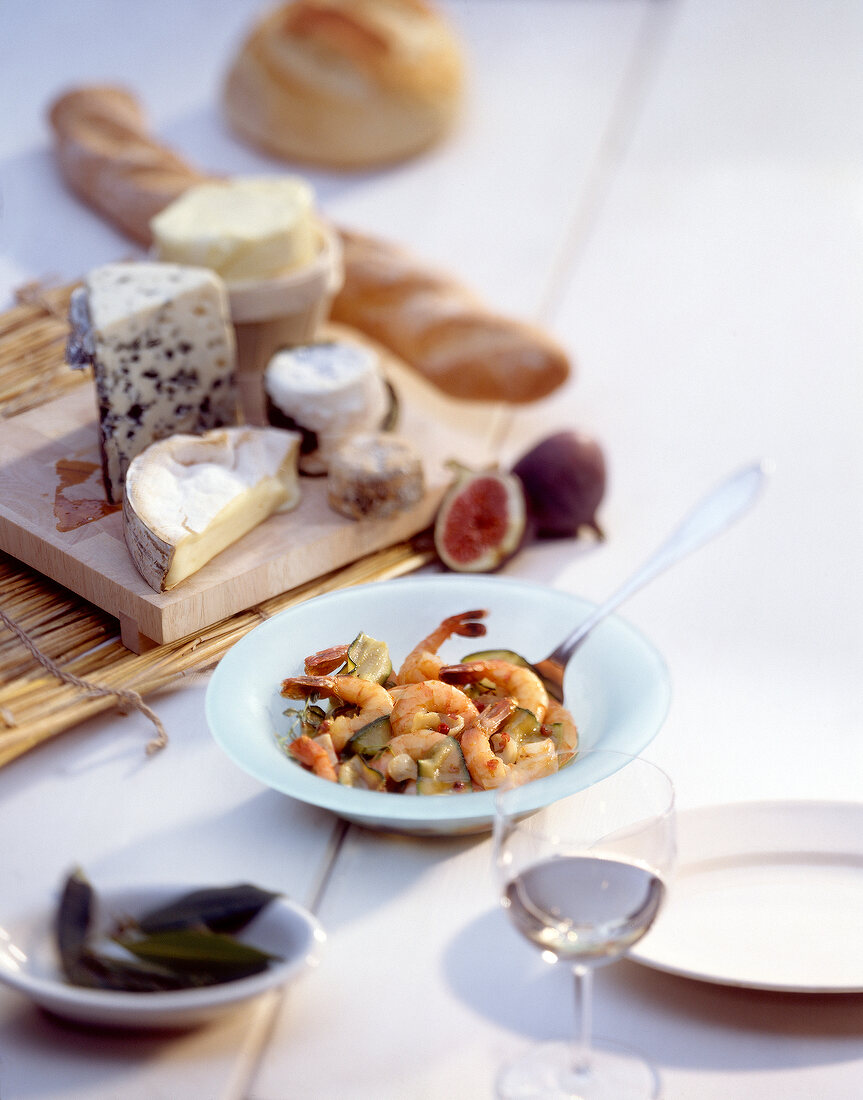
{"x":581,"y":1052}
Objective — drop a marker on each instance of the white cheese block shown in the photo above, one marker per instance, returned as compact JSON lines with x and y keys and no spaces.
{"x":328,"y":391}
{"x":244,"y":229}
{"x":187,"y":498}
{"x":375,"y":475}
{"x":163,"y":353}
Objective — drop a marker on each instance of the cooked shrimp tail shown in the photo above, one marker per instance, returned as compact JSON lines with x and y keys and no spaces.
{"x":511,"y":764}
{"x":518,"y":681}
{"x":301,"y":687}
{"x":314,"y":756}
{"x":432,"y":704}
{"x":371,"y":700}
{"x":423,"y":663}
{"x":326,"y":661}
{"x":486,"y":768}
{"x":561,"y":725}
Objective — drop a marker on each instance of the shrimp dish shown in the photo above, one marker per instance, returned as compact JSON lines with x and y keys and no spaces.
{"x":425,"y":727}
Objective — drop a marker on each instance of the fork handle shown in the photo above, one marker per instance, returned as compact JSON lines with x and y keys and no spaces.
{"x":717,"y":511}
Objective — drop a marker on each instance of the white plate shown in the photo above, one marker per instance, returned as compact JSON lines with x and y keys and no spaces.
{"x":29,"y":963}
{"x":767,"y":895}
{"x":617,"y":685}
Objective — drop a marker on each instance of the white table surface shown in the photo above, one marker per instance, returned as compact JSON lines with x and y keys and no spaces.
{"x":675,"y":190}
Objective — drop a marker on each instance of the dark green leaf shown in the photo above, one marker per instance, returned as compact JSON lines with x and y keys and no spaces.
{"x":219,"y":908}
{"x":74,"y":919}
{"x":208,"y":955}
{"x":97,"y":971}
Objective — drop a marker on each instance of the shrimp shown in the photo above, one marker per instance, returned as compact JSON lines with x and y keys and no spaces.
{"x":406,"y":749}
{"x":416,"y":744}
{"x":536,"y":759}
{"x":372,"y":700}
{"x":515,"y":765}
{"x":517,"y":681}
{"x":486,"y":768}
{"x":423,"y":663}
{"x":566,"y":735}
{"x":431,"y":704}
{"x":313,"y":755}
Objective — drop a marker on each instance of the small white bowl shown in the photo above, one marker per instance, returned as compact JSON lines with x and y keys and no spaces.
{"x":29,"y":963}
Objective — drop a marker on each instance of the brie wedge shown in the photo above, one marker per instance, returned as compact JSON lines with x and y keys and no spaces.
{"x":187,"y":498}
{"x":242,"y":229}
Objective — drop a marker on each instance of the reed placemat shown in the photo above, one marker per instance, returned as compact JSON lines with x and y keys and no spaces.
{"x":61,"y":658}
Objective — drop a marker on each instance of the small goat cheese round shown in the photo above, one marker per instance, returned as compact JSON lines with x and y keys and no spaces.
{"x":375,"y":475}
{"x":327,"y":391}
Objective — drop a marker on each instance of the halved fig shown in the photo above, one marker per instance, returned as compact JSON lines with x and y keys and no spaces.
{"x":481,"y":521}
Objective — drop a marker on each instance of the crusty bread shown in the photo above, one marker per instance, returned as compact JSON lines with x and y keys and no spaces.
{"x":442,"y":329}
{"x":109,"y":158}
{"x":346,"y":84}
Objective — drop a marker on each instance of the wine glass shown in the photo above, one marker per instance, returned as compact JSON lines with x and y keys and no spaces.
{"x":583,"y":879}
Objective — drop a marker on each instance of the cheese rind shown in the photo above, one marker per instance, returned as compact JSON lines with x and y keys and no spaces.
{"x":375,"y":475}
{"x":163,"y":353}
{"x":328,"y":391}
{"x":188,"y":498}
{"x":243,"y":229}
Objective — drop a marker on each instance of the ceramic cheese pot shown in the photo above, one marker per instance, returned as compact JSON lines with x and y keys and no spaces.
{"x":280,"y":262}
{"x":281,"y":312}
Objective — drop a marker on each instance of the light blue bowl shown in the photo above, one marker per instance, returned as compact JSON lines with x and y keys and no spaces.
{"x":617,"y":686}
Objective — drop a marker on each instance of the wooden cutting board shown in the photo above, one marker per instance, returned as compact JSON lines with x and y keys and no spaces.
{"x":55,"y":518}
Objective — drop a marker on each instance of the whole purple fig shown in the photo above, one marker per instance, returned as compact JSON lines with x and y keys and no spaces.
{"x":564,"y":483}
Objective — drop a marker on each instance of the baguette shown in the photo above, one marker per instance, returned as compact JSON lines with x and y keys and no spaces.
{"x":427,"y":318}
{"x":442,"y":329}
{"x":109,"y":158}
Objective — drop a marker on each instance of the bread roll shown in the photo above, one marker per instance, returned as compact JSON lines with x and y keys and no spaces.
{"x":109,"y":158}
{"x":346,"y":83}
{"x":442,"y":329}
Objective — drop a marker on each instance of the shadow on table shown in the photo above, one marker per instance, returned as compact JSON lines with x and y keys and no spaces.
{"x":204,"y":140}
{"x":686,"y":1023}
{"x":678,"y":1022}
{"x":34,"y":1044}
{"x":499,"y":975}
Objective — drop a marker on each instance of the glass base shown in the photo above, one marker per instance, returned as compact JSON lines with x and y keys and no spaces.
{"x":546,"y":1071}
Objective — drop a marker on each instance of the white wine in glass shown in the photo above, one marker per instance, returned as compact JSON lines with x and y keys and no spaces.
{"x":583,"y":879}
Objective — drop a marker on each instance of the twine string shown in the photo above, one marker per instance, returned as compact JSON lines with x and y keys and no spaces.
{"x":88,"y":687}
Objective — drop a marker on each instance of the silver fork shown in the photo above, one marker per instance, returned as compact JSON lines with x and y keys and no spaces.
{"x":718,"y":510}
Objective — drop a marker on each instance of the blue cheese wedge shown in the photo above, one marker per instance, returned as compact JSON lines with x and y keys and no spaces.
{"x":243,"y":229}
{"x":188,"y":498}
{"x":328,"y":391}
{"x":163,"y":353}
